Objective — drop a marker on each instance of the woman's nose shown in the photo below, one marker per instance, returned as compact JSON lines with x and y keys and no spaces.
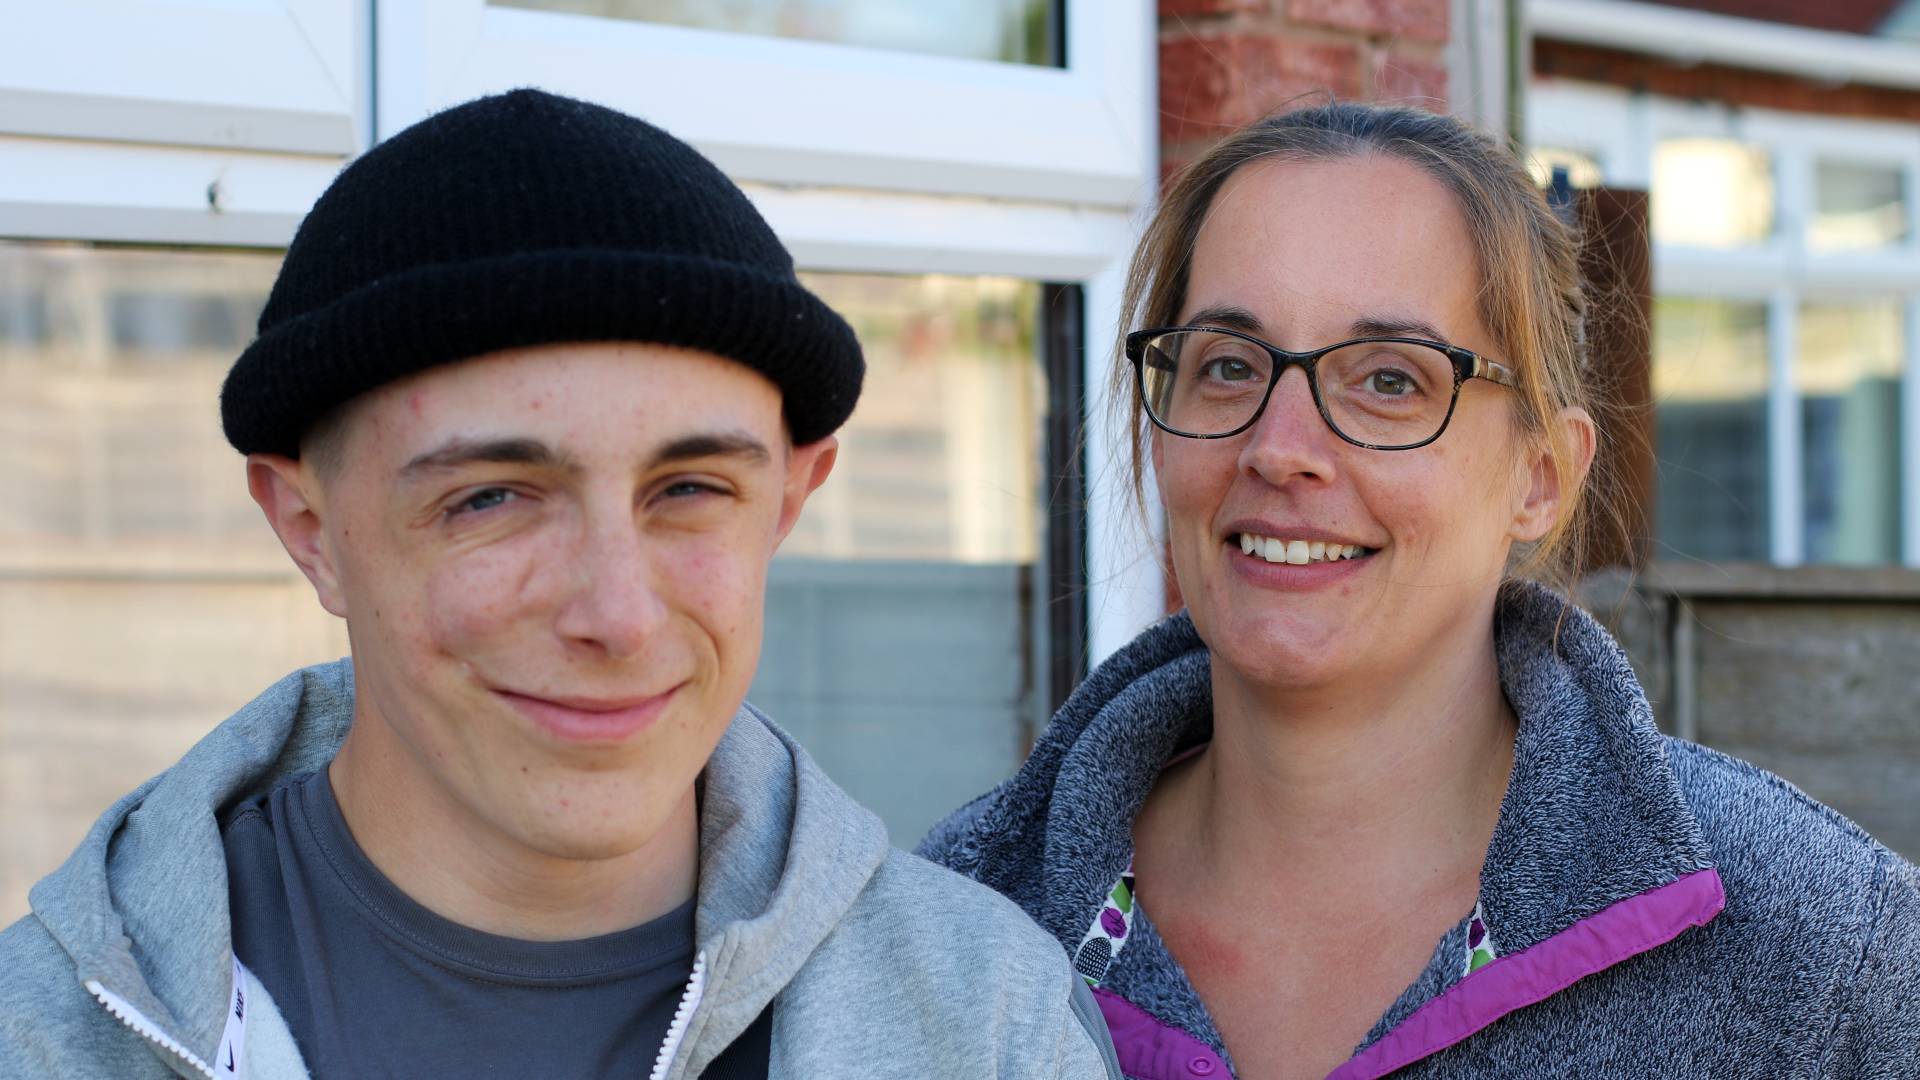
{"x":1290,"y":438}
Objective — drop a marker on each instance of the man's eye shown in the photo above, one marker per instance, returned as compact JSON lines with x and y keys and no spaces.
{"x":485,"y":499}
{"x":686,"y":488}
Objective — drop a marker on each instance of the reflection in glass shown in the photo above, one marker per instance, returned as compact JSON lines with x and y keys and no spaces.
{"x":901,"y":619}
{"x":110,"y":367}
{"x":1857,"y":206}
{"x":1711,"y":193}
{"x":941,"y":459}
{"x":1848,"y":374}
{"x":142,"y":596}
{"x":143,"y":599}
{"x":1583,"y":169}
{"x":1710,"y":428}
{"x":1013,"y":31}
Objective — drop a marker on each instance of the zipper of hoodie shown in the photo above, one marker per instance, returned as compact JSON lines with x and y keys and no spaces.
{"x":682,"y":1016}
{"x":138,"y":1023}
{"x":145,"y":1028}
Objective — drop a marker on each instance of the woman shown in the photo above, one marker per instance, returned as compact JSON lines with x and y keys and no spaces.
{"x":1372,"y":789}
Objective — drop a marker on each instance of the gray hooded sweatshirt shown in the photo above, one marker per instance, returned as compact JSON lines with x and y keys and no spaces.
{"x":877,"y":964}
{"x":1648,"y":907}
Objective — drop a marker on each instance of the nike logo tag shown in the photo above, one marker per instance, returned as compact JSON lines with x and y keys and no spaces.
{"x":234,"y":1040}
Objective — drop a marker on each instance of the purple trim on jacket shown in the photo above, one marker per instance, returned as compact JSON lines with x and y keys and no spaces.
{"x":1595,"y":943}
{"x":1151,"y":1050}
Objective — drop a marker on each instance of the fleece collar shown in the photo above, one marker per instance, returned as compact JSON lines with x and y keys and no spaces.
{"x":1596,"y":855}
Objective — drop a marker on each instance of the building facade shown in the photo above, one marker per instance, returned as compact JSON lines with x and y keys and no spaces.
{"x":1779,"y":141}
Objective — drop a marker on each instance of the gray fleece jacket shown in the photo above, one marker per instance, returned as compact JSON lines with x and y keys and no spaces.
{"x":1656,"y":909}
{"x":878,"y":964}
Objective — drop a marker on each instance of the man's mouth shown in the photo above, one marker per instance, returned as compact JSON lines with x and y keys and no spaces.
{"x":591,"y":720}
{"x":1276,"y":549}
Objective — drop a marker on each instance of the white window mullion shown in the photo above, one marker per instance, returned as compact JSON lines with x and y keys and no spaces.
{"x":1910,"y":435}
{"x":1787,"y":517}
{"x":1126,"y":590}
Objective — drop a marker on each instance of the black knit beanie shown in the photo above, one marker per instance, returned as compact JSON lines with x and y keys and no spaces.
{"x":529,"y":219}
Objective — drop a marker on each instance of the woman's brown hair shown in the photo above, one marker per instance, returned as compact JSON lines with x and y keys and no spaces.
{"x":1530,"y":297}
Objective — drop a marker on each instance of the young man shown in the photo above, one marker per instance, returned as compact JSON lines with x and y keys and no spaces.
{"x":535,"y":398}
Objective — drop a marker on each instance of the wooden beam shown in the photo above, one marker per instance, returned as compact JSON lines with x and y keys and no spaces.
{"x":1617,"y":271}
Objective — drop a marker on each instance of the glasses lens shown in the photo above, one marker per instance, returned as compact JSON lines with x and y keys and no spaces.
{"x":1202,"y":382}
{"x":1386,"y":393}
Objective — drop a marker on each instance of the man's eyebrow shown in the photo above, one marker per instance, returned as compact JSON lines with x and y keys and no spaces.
{"x":460,"y":451}
{"x":712,"y":444}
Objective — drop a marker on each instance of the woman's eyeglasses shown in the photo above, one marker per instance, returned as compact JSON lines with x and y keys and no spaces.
{"x":1381,"y":393}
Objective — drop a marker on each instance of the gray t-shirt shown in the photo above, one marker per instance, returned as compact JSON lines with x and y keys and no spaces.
{"x":373,"y":984}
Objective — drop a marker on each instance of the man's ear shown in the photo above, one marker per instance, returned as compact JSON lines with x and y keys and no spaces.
{"x":807,"y":468}
{"x":288,"y":493}
{"x":1539,"y":507}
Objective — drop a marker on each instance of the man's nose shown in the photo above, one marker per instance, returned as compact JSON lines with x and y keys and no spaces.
{"x":615,"y":605}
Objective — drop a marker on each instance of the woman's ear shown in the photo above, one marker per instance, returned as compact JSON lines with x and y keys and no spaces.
{"x":1544,"y":489}
{"x":287,"y":493}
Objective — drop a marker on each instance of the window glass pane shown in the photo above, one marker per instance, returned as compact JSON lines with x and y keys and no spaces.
{"x":1858,"y":206}
{"x":142,"y":597}
{"x":1711,"y":193}
{"x":1848,"y":373}
{"x":1710,"y":428}
{"x":110,"y":369}
{"x":1583,"y":169}
{"x":1014,"y":31}
{"x":902,"y":635}
{"x":942,"y":458}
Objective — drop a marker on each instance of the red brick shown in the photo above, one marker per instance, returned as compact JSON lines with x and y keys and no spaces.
{"x":1215,"y":84}
{"x":1408,"y":80}
{"x":1208,"y":7}
{"x":1415,"y":20}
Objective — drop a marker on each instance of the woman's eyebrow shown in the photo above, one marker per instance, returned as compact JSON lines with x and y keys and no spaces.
{"x":1239,"y":318}
{"x":1233,"y":318}
{"x":1389,"y":326}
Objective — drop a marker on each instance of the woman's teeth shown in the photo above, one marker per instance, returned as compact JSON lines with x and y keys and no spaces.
{"x":1297,"y":552}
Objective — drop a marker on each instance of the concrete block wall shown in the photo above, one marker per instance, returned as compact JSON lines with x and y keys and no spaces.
{"x":1811,"y":672}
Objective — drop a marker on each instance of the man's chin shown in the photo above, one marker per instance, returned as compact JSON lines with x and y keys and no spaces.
{"x":593,"y":838}
{"x":584,"y":817}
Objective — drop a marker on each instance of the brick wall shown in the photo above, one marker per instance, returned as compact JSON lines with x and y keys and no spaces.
{"x":1226,"y":62}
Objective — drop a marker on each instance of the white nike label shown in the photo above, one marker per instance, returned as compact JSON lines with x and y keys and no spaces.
{"x":231,"y":1062}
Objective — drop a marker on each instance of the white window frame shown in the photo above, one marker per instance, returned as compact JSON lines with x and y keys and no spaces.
{"x":809,"y":112}
{"x":1621,"y":129}
{"x":280,"y":75}
{"x":220,"y":122}
{"x":869,"y":160}
{"x":211,"y":123}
